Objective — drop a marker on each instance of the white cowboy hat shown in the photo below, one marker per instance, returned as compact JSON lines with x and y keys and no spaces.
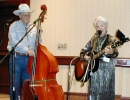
{"x":22,"y":8}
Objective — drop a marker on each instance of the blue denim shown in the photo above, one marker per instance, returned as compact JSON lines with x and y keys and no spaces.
{"x":21,"y":74}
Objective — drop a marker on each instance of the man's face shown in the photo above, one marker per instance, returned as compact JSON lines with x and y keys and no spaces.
{"x":25,"y":17}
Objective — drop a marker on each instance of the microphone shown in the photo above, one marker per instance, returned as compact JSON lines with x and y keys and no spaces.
{"x":98,"y":33}
{"x":36,"y":20}
{"x":9,"y":21}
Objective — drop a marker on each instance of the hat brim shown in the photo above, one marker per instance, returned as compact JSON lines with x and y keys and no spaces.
{"x":16,"y":12}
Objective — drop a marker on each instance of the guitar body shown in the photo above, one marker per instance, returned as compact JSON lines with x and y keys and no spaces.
{"x":83,"y":69}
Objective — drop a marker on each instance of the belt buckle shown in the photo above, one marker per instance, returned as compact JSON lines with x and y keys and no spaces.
{"x":23,"y":54}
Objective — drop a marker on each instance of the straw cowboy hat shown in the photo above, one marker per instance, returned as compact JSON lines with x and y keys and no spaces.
{"x":22,"y":8}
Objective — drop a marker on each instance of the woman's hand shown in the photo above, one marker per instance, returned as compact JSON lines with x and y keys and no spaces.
{"x":86,"y":57}
{"x":108,"y":50}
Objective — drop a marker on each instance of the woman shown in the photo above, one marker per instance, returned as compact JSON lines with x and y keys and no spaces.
{"x":102,"y":81}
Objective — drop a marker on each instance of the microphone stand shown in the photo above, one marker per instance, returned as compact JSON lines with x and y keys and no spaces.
{"x":69,"y":79}
{"x":13,"y":56}
{"x":91,"y":61}
{"x":3,"y":35}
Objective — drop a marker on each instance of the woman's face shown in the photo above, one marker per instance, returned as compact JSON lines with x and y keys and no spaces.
{"x":101,"y":26}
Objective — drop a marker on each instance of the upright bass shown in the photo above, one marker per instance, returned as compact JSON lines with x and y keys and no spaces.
{"x":44,"y":66}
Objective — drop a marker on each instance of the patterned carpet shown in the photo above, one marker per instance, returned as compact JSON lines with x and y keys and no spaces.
{"x":4,"y":97}
{"x":73,"y":97}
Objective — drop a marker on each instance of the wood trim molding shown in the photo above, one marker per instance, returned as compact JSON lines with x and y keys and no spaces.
{"x":64,"y":60}
{"x":84,"y":94}
{"x":13,"y":2}
{"x":125,"y":98}
{"x":119,"y":62}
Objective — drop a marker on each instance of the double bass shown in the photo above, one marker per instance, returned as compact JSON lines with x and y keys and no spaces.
{"x":44,"y":66}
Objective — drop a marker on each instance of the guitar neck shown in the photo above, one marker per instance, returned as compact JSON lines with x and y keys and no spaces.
{"x":98,"y":54}
{"x":101,"y":52}
{"x":113,"y":44}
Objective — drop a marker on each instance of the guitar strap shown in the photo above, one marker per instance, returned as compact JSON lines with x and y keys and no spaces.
{"x":106,"y":42}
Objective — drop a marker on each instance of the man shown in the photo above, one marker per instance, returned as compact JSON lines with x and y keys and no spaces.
{"x":23,"y":50}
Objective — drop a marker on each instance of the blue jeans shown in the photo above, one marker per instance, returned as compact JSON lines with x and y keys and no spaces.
{"x":20,"y":75}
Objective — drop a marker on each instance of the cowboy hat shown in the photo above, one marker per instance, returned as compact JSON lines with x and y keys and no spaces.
{"x":22,"y":8}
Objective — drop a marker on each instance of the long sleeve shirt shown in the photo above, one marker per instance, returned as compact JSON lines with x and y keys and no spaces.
{"x":16,"y":31}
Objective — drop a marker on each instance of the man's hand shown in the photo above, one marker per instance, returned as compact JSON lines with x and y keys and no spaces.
{"x":31,"y":53}
{"x":41,"y":30}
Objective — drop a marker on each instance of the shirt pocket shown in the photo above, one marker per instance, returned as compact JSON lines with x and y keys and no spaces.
{"x":31,"y":35}
{"x":20,"y":34}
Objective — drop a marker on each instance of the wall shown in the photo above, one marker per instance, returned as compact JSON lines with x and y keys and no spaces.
{"x":71,"y":22}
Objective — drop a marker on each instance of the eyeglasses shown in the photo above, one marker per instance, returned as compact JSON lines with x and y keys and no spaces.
{"x":26,"y":15}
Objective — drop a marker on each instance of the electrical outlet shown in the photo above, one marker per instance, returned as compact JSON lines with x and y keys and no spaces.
{"x":62,"y":46}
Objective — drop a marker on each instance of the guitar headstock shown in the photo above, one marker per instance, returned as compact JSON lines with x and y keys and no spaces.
{"x":116,"y":44}
{"x":121,"y":37}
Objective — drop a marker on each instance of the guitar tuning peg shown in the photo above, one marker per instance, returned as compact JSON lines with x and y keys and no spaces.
{"x":113,"y":39}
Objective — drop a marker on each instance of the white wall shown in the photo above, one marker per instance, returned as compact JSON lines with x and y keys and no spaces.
{"x":71,"y":22}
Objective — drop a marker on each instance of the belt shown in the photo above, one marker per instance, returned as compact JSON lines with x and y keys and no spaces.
{"x":23,"y":54}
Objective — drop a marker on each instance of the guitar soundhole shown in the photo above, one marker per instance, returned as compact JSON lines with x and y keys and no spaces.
{"x":80,"y":69}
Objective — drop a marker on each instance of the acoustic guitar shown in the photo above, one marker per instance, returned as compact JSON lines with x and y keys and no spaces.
{"x":84,"y":68}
